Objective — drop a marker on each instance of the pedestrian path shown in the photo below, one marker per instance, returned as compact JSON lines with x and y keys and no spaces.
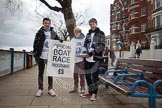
{"x":18,"y":91}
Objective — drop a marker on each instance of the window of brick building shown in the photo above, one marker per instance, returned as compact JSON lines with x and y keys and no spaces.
{"x":118,"y":16}
{"x":132,"y":30}
{"x":143,"y":27}
{"x":114,"y":26}
{"x":132,"y":1}
{"x":157,"y":4}
{"x":132,"y":14}
{"x":124,"y":25}
{"x":143,"y":11}
{"x":113,"y":36}
{"x":118,"y":26}
{"x":157,"y":22}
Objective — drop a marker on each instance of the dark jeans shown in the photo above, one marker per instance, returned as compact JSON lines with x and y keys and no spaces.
{"x":138,"y":55}
{"x":41,"y":65}
{"x":91,"y":74}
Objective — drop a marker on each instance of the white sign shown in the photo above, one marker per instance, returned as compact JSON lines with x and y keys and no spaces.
{"x":61,"y":59}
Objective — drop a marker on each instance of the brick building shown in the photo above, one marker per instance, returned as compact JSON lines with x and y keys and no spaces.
{"x":135,"y":20}
{"x":154,"y":24}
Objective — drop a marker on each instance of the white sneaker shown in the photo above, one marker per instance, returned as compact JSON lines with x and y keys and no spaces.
{"x":82,"y":91}
{"x":93,"y":98}
{"x":39,"y":93}
{"x":52,"y":93}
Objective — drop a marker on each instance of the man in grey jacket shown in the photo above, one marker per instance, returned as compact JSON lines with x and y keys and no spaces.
{"x":94,"y":43}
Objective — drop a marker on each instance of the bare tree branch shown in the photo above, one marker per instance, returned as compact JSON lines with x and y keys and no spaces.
{"x":81,"y":18}
{"x":81,"y":23}
{"x":39,"y":13}
{"x":14,"y":6}
{"x":78,"y":16}
{"x":55,"y":8}
{"x":60,"y":25}
{"x":63,"y":31}
{"x":61,"y":2}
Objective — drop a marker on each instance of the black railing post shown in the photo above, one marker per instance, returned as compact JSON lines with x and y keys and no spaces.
{"x":24,"y":61}
{"x":12,"y":61}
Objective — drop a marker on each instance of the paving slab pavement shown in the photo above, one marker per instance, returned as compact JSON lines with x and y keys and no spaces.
{"x":18,"y":91}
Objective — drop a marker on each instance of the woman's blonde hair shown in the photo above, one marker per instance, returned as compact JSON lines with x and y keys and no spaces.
{"x":77,"y":30}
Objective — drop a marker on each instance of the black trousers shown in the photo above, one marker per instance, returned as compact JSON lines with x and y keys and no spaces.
{"x":91,"y":74}
{"x":41,"y":66}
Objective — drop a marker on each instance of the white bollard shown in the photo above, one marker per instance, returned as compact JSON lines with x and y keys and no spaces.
{"x":152,"y":48}
{"x":132,"y":50}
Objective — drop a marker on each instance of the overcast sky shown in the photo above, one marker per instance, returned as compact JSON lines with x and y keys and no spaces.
{"x":18,"y":30}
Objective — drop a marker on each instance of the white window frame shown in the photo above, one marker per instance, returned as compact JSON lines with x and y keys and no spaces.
{"x":132,"y":1}
{"x":113,"y":26}
{"x":113,"y":36}
{"x":118,"y":26}
{"x":157,"y":22}
{"x":143,"y":11}
{"x":157,"y":4}
{"x":133,"y":14}
{"x":133,"y":29}
{"x":143,"y":27}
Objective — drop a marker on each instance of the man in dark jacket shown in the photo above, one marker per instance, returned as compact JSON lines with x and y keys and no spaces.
{"x":94,"y":43}
{"x":40,"y":52}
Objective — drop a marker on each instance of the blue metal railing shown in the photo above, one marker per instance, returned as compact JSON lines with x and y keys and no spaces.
{"x":12,"y":61}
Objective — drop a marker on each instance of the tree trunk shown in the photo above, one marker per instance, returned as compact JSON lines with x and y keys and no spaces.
{"x":67,"y":12}
{"x":69,"y":19}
